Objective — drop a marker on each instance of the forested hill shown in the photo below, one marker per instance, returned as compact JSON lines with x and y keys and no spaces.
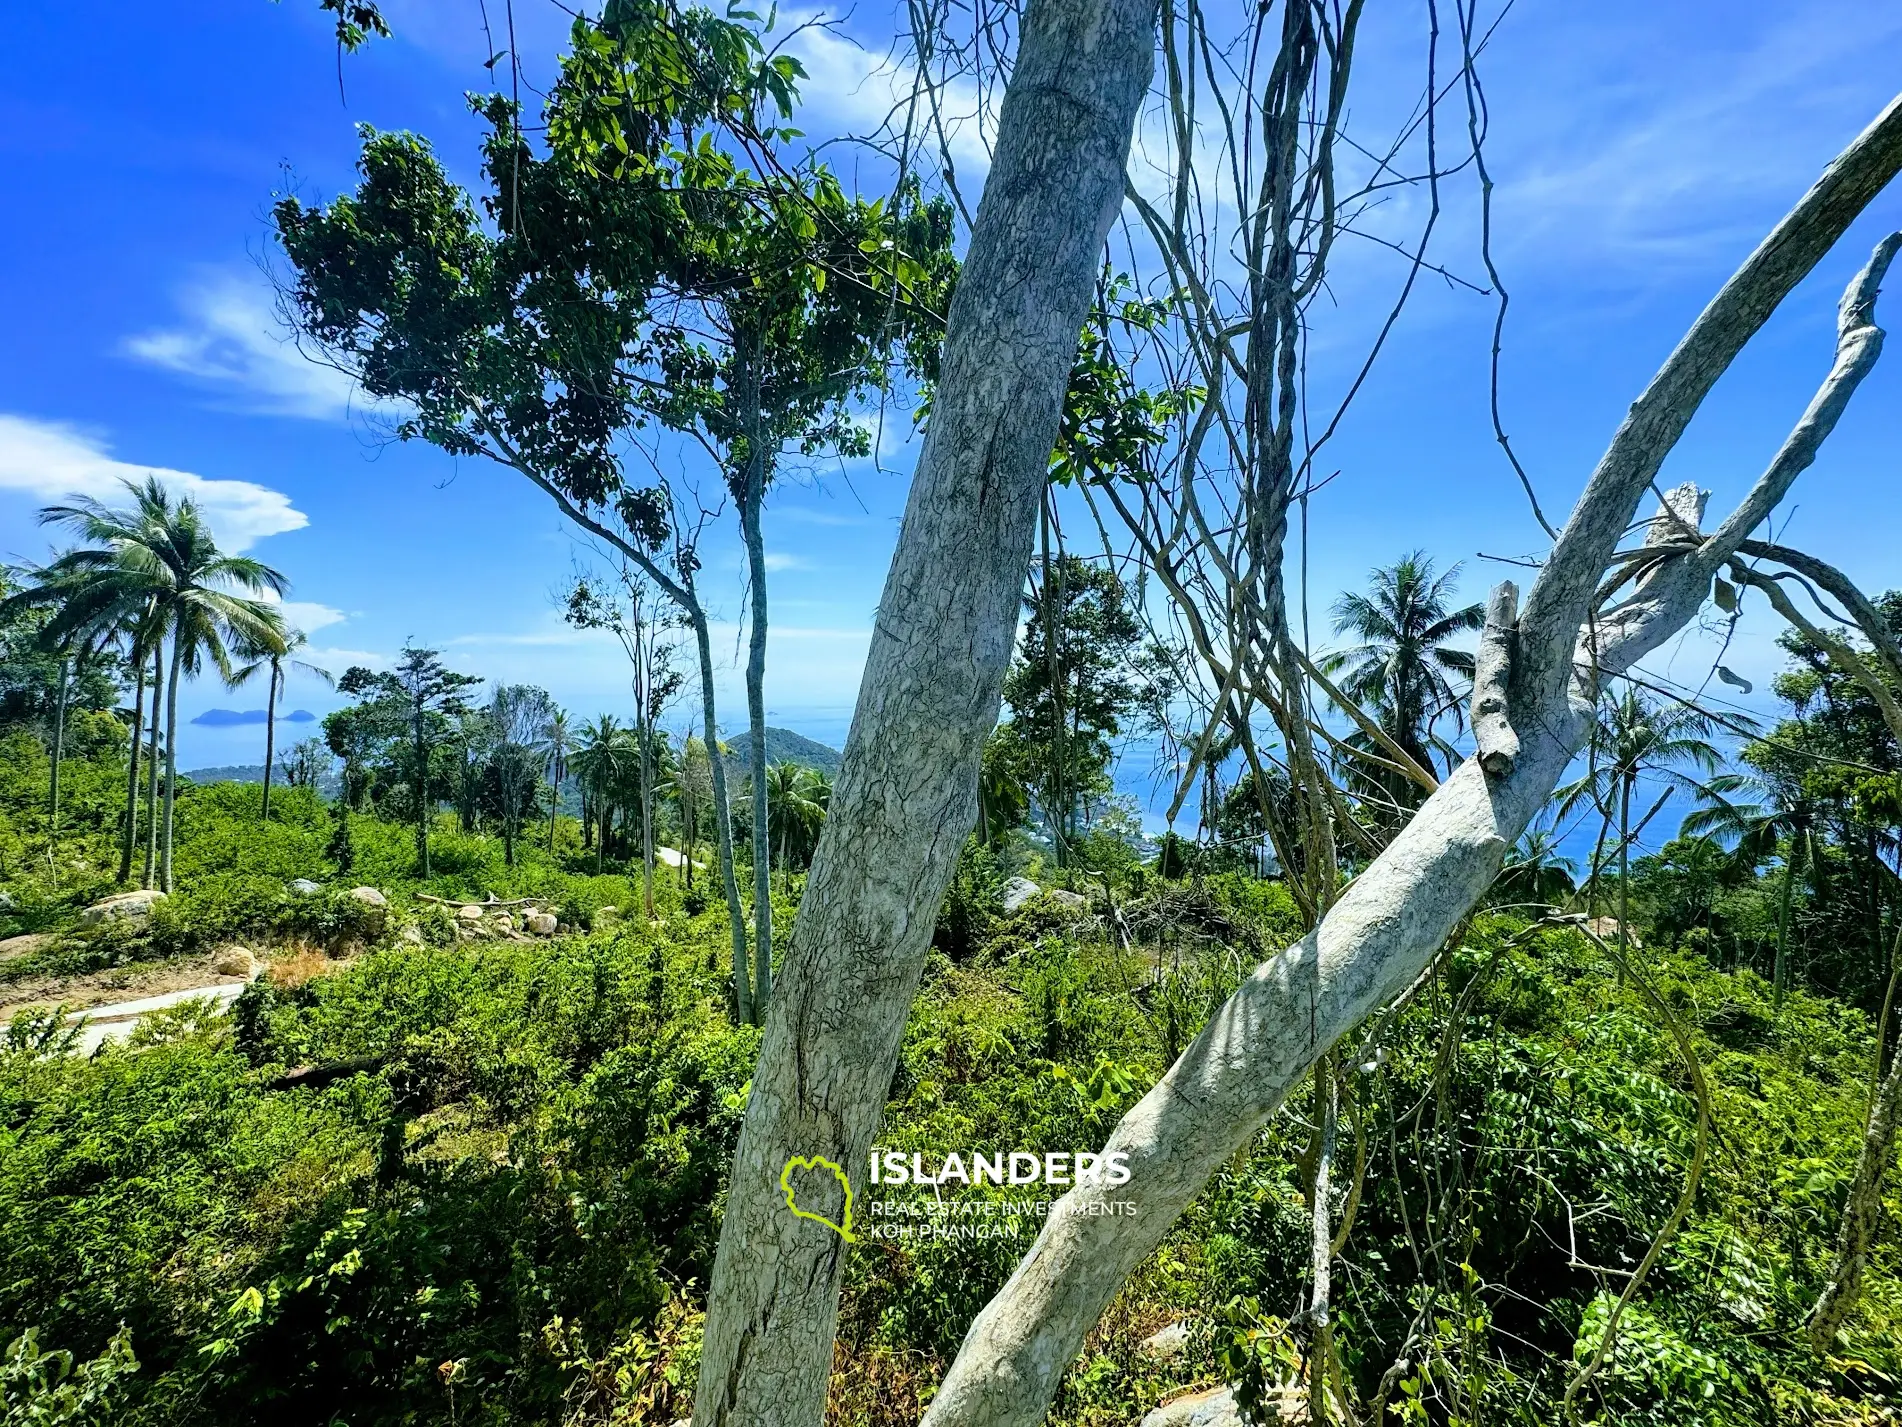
{"x":783,"y":746}
{"x":329,"y":784}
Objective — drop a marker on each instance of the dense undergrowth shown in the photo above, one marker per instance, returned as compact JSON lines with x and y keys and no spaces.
{"x":480,"y":1183}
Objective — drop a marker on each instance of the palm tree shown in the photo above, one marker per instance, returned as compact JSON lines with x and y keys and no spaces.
{"x":603,"y":762}
{"x":1636,"y":739}
{"x":796,"y":801}
{"x":557,"y":743}
{"x":87,"y":615}
{"x":1535,"y":871}
{"x":161,"y":550}
{"x":274,"y":659}
{"x":1784,"y":819}
{"x":691,"y":788}
{"x":1402,"y":671}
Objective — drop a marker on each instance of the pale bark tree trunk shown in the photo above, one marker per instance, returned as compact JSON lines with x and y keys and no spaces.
{"x":270,"y":741}
{"x":152,"y":767}
{"x":1381,"y":934}
{"x":753,"y":498}
{"x":171,"y":764}
{"x":722,"y":818}
{"x":906,"y":793}
{"x":59,"y":753}
{"x":130,"y":837}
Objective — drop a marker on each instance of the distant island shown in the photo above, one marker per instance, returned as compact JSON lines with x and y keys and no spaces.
{"x":235,"y":718}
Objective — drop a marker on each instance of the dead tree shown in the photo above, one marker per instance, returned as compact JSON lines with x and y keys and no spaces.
{"x":1591,"y":614}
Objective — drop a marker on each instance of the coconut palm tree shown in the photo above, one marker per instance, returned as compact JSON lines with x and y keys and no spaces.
{"x":603,"y":762}
{"x":1402,"y":670}
{"x":79,"y":627}
{"x":160,"y":549}
{"x":1535,"y":871}
{"x":275,"y":660}
{"x":1633,"y":740}
{"x":796,"y":801}
{"x":1781,"y":820}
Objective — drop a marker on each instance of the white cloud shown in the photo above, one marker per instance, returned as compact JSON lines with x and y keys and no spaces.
{"x":306,"y":615}
{"x":781,"y":561}
{"x":51,"y":461}
{"x":850,"y":89}
{"x":232,"y":337}
{"x":337,"y":660}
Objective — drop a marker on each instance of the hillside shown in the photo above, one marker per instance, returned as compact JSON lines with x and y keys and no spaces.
{"x":784,"y":746}
{"x":328,"y":784}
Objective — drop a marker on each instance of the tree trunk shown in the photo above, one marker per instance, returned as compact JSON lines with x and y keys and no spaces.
{"x":59,"y":752}
{"x":171,"y":765}
{"x":1780,"y":974}
{"x":722,"y":817}
{"x":422,"y":798}
{"x":907,"y":790}
{"x":754,"y":498}
{"x":270,"y":741}
{"x":130,"y":836}
{"x":1862,"y":1212}
{"x":152,"y":767}
{"x":1382,"y":933}
{"x":647,"y":824}
{"x":1624,"y":868}
{"x":1053,"y":671}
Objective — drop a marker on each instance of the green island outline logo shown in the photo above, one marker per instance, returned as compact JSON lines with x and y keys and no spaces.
{"x":818,"y":1161}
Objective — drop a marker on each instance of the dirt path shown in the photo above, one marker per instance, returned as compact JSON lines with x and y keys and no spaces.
{"x":117,"y":984}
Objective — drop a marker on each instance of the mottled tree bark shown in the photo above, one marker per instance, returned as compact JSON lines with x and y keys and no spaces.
{"x":906,"y":793}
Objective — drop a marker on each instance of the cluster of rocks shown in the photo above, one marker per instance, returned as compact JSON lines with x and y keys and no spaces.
{"x":479,"y":921}
{"x":1019,"y":890}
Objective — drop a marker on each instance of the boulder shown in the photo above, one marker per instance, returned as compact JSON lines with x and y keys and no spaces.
{"x":6,"y":902}
{"x":1218,"y":1408}
{"x":126,"y":906}
{"x":540,"y":923}
{"x":303,"y":887}
{"x":606,"y":916}
{"x":1606,"y":929}
{"x":1065,"y":898}
{"x":369,"y":896}
{"x":411,"y":935}
{"x":468,"y":915}
{"x":1017,"y":891}
{"x":504,"y":922}
{"x":15,"y":947}
{"x":1199,"y":1409}
{"x":1169,"y":1342}
{"x":235,"y":961}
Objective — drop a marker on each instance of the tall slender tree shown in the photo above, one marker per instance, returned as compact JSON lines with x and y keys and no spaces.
{"x":557,"y":742}
{"x":416,"y":703}
{"x":275,"y":663}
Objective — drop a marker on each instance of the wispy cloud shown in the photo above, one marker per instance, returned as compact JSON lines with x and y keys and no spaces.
{"x":230,"y":338}
{"x":52,"y":461}
{"x":306,"y":615}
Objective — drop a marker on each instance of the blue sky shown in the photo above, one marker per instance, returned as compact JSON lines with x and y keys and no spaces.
{"x":1640,"y":150}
